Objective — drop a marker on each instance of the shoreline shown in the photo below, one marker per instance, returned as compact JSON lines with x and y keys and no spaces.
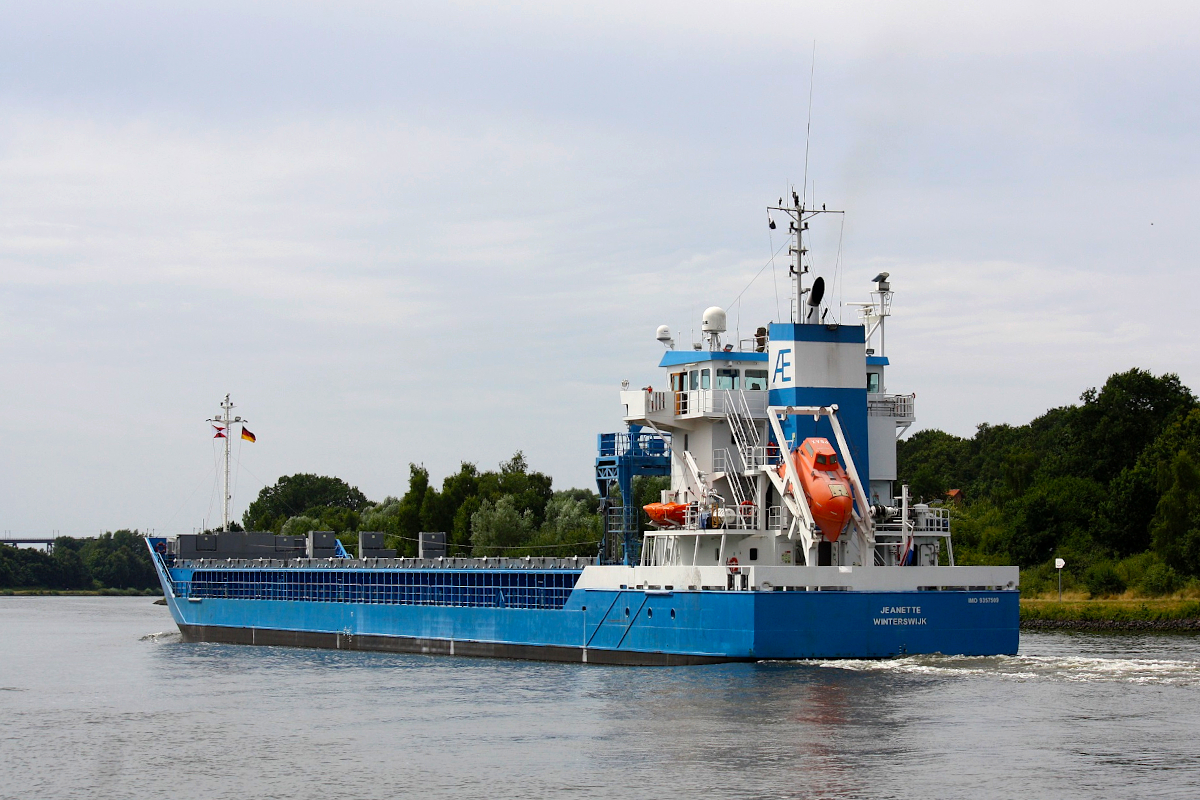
{"x":1113,"y":626}
{"x":81,"y":592}
{"x":1140,"y":614}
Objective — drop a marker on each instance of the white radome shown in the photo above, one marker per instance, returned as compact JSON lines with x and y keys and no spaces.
{"x":714,"y":320}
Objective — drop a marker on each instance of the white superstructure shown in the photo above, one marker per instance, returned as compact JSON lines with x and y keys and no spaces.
{"x":734,"y":411}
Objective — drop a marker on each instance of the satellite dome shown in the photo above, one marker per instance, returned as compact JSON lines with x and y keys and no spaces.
{"x":664,"y":333}
{"x":714,"y":320}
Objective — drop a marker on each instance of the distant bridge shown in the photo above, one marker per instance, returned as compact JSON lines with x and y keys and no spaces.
{"x":38,"y":540}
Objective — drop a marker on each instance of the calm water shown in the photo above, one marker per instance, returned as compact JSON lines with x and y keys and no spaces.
{"x":99,"y":698}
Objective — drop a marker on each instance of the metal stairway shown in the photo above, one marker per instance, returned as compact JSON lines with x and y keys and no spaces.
{"x":747,"y":440}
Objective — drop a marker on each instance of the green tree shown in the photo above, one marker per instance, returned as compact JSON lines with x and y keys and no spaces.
{"x":408,"y":514}
{"x":120,"y":560}
{"x":1056,"y":512}
{"x":300,"y":526}
{"x":1114,"y":425}
{"x":932,"y":462}
{"x":70,"y":571}
{"x":530,"y":490}
{"x":1134,"y":494}
{"x":25,"y":567}
{"x":572,"y":526}
{"x":1103,"y":580}
{"x":1175,"y":529}
{"x":292,"y":495}
{"x":499,"y":526}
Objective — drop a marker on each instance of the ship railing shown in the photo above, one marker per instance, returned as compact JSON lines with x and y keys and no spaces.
{"x":436,"y":562}
{"x":657,"y":401}
{"x":753,"y":344}
{"x":900,"y":406}
{"x":723,"y":460}
{"x":766,"y":455}
{"x":641,"y":404}
{"x":718,"y":402}
{"x":720,"y":516}
{"x":646,"y":443}
{"x":928,"y":523}
{"x":178,"y":588}
{"x":774,"y":518}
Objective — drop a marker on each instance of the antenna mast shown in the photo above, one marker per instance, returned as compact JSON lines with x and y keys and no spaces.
{"x":222,"y":423}
{"x":798,"y":215}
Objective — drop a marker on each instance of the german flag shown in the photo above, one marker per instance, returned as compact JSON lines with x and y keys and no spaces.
{"x":247,"y":435}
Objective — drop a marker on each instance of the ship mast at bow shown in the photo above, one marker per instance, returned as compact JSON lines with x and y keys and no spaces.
{"x":222,"y":423}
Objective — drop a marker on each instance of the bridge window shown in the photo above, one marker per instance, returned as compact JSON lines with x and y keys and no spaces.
{"x":729,"y":379}
{"x":694,"y":380}
{"x":677,"y":381}
{"x":756,"y":379}
{"x":873,"y":382}
{"x":705,"y":379}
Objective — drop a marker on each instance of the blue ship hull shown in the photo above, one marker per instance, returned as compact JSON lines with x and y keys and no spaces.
{"x":613,"y":626}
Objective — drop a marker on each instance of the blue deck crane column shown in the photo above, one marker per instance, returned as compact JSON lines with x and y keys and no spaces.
{"x":621,"y":456}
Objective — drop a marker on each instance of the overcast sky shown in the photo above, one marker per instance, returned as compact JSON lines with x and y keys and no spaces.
{"x":434,"y":232}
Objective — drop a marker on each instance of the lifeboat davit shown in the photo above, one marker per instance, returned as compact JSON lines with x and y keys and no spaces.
{"x":826,"y":485}
{"x":666,"y":514}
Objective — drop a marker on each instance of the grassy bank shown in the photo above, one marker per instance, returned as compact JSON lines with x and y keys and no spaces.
{"x":35,"y":592}
{"x":1115,"y":613}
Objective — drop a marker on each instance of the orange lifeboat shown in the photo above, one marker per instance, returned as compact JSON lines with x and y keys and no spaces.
{"x":825,"y":483}
{"x":666,"y":514}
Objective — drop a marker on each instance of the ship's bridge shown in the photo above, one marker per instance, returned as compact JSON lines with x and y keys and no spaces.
{"x":702,"y":384}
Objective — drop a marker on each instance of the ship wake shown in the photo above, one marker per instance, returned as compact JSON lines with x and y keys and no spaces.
{"x":1072,"y":669}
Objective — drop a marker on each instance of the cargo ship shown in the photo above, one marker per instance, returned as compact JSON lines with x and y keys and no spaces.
{"x":783,"y":534}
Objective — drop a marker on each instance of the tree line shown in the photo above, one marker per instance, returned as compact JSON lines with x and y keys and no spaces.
{"x":1111,"y":485}
{"x":113,"y":561}
{"x":512,"y":510}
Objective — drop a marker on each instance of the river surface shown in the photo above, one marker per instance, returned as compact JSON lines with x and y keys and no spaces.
{"x":99,"y":698}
